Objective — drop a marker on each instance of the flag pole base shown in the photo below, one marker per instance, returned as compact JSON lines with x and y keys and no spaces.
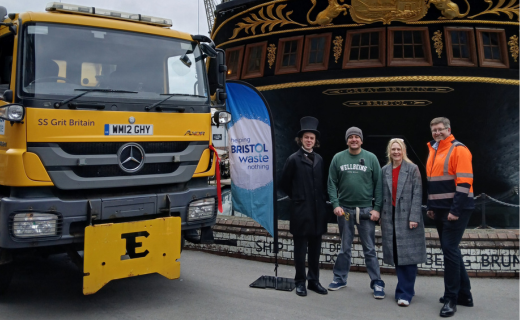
{"x":271,"y":282}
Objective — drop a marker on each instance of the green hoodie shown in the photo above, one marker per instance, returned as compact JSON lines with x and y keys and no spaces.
{"x":354,"y":184}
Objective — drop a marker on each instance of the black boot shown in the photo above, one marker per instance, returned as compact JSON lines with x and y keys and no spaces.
{"x":300,"y":289}
{"x":449,"y":308}
{"x":316,"y":287}
{"x":462,"y":300}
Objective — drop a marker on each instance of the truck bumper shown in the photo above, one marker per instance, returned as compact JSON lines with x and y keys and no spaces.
{"x":73,"y":213}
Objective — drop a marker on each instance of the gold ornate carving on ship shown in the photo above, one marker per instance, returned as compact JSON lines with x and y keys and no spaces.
{"x":369,"y":11}
{"x":338,"y":48}
{"x":271,"y":54}
{"x":387,"y":103}
{"x":464,"y":79}
{"x":437,"y":42}
{"x":449,"y":9}
{"x":264,"y":21}
{"x":509,"y":9}
{"x":325,"y":17}
{"x":513,"y":47}
{"x":393,"y":89}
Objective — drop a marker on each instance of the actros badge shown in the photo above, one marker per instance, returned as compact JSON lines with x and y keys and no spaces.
{"x":131,"y":157}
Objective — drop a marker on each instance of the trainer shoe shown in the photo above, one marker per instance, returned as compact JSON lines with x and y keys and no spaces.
{"x":403,"y":303}
{"x":379,"y":288}
{"x":336,"y":285}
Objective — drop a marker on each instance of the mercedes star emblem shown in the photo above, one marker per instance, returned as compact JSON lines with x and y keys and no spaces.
{"x":131,"y":157}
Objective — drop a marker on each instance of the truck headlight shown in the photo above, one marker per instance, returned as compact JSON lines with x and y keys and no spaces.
{"x":221,"y":117}
{"x":28,"y":225}
{"x":12,"y":112}
{"x":201,"y":209}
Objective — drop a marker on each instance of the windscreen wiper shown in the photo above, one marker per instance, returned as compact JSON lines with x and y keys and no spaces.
{"x":180,"y":109}
{"x":57,"y":105}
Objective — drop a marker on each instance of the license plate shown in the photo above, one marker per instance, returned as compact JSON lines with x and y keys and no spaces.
{"x":128,"y":129}
{"x":121,"y":250}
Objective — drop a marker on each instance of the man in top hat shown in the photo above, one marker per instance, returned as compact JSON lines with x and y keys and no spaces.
{"x":302,"y":181}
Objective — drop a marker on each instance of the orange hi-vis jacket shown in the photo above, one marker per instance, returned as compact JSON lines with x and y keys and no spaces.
{"x":450,"y":176}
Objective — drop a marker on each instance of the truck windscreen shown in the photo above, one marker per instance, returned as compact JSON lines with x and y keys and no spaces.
{"x":59,"y":59}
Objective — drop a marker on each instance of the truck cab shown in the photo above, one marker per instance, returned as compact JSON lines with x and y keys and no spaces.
{"x":105,"y":140}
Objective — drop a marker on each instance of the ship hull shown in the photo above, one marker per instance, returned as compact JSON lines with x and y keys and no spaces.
{"x":391,"y":101}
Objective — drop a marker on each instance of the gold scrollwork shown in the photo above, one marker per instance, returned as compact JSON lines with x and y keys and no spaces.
{"x":365,"y":11}
{"x":449,"y":9}
{"x":325,"y":17}
{"x":513,"y":47}
{"x":501,"y":23}
{"x":302,"y":84}
{"x":289,"y":31}
{"x":509,"y":9}
{"x":338,"y":47}
{"x":270,"y":21}
{"x":366,"y":90}
{"x":437,"y":42}
{"x":271,"y":54}
{"x":387,"y":103}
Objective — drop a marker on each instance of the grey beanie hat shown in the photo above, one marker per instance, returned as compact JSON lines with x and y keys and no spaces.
{"x":354,"y":130}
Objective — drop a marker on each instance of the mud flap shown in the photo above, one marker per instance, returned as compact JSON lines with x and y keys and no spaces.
{"x":121,"y":250}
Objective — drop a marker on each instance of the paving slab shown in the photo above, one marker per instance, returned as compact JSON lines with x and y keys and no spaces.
{"x":217,"y":287}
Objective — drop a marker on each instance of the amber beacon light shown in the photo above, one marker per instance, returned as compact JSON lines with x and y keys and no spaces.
{"x":105,"y":13}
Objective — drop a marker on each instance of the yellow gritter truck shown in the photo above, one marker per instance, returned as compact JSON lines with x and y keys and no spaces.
{"x":105,"y":140}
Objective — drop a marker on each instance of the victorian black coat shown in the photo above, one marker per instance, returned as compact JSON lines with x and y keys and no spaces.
{"x":303,"y":182}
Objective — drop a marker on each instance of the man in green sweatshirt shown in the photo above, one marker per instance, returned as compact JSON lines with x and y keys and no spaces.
{"x":354,"y":180}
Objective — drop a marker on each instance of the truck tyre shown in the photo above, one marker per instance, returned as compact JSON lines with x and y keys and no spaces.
{"x":6,"y":275}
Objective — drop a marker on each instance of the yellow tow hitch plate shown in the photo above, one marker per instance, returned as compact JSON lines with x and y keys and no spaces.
{"x":121,"y":250}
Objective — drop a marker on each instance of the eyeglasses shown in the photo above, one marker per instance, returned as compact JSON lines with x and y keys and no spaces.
{"x":439,"y":130}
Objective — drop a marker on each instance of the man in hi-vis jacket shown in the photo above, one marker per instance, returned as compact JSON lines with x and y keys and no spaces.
{"x":450,"y":203}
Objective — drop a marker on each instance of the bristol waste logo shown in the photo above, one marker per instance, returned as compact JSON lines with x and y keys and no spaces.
{"x":250,"y":150}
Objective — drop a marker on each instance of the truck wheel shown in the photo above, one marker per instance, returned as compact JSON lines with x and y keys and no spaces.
{"x":6,"y":274}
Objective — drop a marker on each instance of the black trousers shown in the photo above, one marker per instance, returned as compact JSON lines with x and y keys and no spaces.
{"x":456,"y":280}
{"x":302,"y":245}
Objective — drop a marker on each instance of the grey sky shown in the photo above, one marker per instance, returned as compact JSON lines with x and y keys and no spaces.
{"x":182,"y":12}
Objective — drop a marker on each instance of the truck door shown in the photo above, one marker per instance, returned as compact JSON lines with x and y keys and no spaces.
{"x":6,"y":60}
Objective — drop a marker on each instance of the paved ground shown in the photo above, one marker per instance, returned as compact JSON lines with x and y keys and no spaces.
{"x":215,"y":287}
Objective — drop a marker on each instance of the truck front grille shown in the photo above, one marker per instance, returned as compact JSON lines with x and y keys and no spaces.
{"x":87,"y":148}
{"x":93,"y":165}
{"x":115,"y":171}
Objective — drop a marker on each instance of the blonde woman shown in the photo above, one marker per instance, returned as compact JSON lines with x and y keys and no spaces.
{"x":402,"y":226}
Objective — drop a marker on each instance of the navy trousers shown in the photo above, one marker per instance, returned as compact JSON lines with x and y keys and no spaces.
{"x":311,"y":246}
{"x":456,"y":280}
{"x":405,"y":282}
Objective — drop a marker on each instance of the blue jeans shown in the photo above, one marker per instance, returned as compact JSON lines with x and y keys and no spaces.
{"x":456,"y":280}
{"x":367,"y":233}
{"x":405,"y":282}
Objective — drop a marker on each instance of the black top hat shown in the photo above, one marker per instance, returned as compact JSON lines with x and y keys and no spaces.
{"x":309,"y":124}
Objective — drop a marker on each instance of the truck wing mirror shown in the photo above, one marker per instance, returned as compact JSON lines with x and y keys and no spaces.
{"x":208,"y":50}
{"x":217,"y":71}
{"x":3,"y":13}
{"x":8,"y":96}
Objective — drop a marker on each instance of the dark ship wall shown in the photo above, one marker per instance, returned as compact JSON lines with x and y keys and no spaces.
{"x":385,"y":102}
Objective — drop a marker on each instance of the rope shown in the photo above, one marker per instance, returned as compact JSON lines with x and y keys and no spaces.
{"x":503,"y":203}
{"x":480,"y":195}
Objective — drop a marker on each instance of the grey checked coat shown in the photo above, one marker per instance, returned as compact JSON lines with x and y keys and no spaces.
{"x":411,"y":243}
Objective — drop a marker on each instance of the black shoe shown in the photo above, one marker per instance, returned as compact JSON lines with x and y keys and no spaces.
{"x":461,"y":301}
{"x":316,"y":287}
{"x":300,"y":289}
{"x":448,"y":309}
